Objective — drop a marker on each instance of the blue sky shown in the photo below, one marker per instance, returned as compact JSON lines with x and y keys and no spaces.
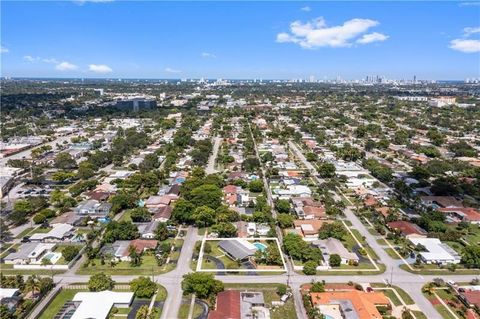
{"x":433,"y":40}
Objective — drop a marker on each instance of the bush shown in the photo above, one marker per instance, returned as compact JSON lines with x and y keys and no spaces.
{"x":143,"y":287}
{"x":70,"y":252}
{"x":100,"y":282}
{"x":281,"y":289}
{"x":39,"y":218}
{"x":335,"y":260}
{"x":310,"y":268}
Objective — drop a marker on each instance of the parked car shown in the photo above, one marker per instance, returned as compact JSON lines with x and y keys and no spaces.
{"x":25,"y":239}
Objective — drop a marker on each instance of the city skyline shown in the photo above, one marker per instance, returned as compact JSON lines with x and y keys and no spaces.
{"x":116,"y":39}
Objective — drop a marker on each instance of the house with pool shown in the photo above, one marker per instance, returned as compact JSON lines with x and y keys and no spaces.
{"x":33,"y":253}
{"x":240,"y":255}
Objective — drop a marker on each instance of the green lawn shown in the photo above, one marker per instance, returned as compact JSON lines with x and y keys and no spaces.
{"x":125,"y":217}
{"x":382,"y":242}
{"x":25,"y":232}
{"x":419,"y":315}
{"x":148,"y":267}
{"x":185,"y":308}
{"x":391,"y":252}
{"x":62,"y":297}
{"x":41,"y":230}
{"x":435,"y":270}
{"x":6,"y":248}
{"x":403,"y":294}
{"x":473,"y":236}
{"x":161,"y":294}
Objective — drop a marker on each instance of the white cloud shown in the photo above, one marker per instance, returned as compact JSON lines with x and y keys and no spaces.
{"x":372,"y":37}
{"x":306,"y":9}
{"x":469,"y":4}
{"x":82,"y":2}
{"x":316,"y":33}
{"x":170,"y":70}
{"x":208,"y":55}
{"x":30,"y":58}
{"x":4,"y":49}
{"x":99,"y":68}
{"x":471,"y":30}
{"x":465,"y":45}
{"x":66,"y":66}
{"x":51,"y":60}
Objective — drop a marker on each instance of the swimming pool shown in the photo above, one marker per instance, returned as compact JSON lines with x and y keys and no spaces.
{"x":260,"y":246}
{"x":53,"y":257}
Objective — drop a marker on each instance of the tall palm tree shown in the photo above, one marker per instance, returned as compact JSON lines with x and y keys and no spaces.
{"x":142,"y":312}
{"x":32,"y":284}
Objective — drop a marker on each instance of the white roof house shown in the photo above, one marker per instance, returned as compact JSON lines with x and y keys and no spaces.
{"x":98,"y":304}
{"x":58,"y":232}
{"x":31,"y":253}
{"x":294,"y":190}
{"x":332,"y":246}
{"x":437,"y":252}
{"x":7,"y":292}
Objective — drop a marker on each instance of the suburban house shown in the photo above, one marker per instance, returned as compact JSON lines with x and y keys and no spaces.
{"x":308,"y":229}
{"x":98,"y":304}
{"x":162,"y":214}
{"x":332,"y":246}
{"x":147,"y":230}
{"x":407,"y":229}
{"x":349,"y":304}
{"x":471,"y":298}
{"x":436,"y":251}
{"x":293,"y":190}
{"x":9,"y":297}
{"x":58,"y":233}
{"x":120,"y":249}
{"x":234,"y":304}
{"x":307,"y":208}
{"x":461,"y":214}
{"x":440,"y":201}
{"x":29,"y":253}
{"x":237,"y":249}
{"x":93,"y":208}
{"x":235,"y":195}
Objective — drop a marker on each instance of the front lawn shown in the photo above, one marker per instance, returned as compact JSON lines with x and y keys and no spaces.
{"x":148,"y":267}
{"x":54,"y":307}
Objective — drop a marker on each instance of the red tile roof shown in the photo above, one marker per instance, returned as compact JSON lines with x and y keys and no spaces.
{"x":141,"y":244}
{"x":470,"y":213}
{"x":164,"y":212}
{"x":227,"y":306}
{"x":407,"y":228}
{"x":472,"y":297}
{"x":230,"y":189}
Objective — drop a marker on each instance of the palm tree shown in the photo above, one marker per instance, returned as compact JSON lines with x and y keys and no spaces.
{"x":142,"y":312}
{"x":32,"y":284}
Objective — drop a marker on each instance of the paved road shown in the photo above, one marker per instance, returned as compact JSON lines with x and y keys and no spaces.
{"x":297,"y":297}
{"x":210,"y":169}
{"x":174,"y":298}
